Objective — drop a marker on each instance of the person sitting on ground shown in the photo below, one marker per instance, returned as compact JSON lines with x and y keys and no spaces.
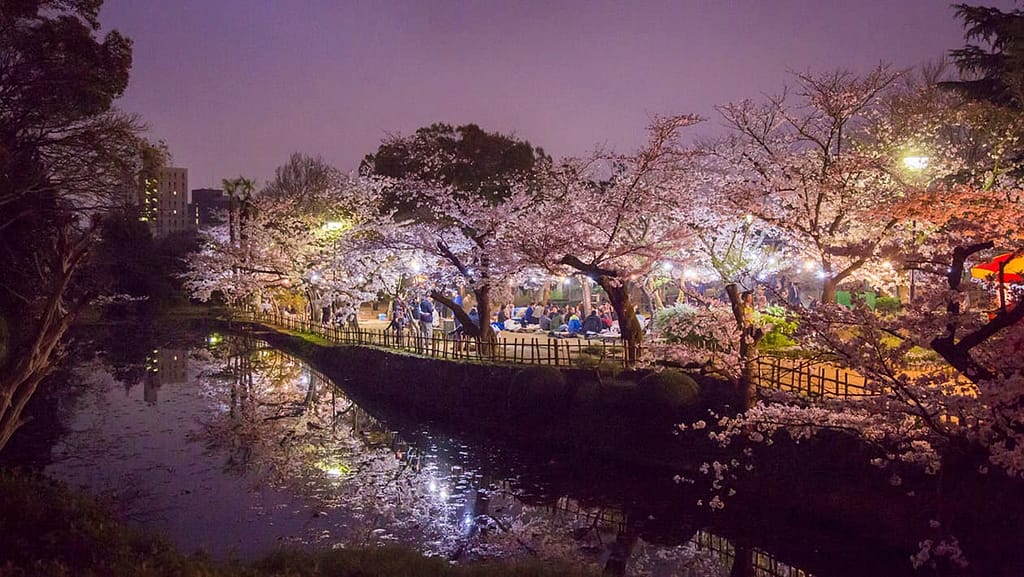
{"x":574,"y":326}
{"x":528,"y":317}
{"x":545,"y":320}
{"x":592,"y":324}
{"x":557,"y":321}
{"x":496,"y":323}
{"x":513,"y":325}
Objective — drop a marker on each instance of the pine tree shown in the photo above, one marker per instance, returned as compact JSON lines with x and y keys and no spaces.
{"x":993,"y":69}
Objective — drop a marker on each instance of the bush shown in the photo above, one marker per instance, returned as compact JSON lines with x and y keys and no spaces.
{"x":669,"y":390}
{"x":601,"y":358}
{"x":540,"y":378}
{"x":676,"y":324}
{"x":683,"y":324}
{"x":780,"y":328}
{"x":538,"y":389}
{"x":888,"y":305}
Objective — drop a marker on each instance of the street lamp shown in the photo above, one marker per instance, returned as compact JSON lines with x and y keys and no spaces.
{"x":915,"y":163}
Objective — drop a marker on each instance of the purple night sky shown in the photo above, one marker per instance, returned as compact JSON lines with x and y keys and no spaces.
{"x":235,"y":86}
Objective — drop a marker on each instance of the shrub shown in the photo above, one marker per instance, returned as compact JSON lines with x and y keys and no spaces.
{"x":537,"y":389}
{"x":540,"y":378}
{"x":668,"y":390}
{"x":779,"y":327}
{"x":682,"y":324}
{"x":888,"y":305}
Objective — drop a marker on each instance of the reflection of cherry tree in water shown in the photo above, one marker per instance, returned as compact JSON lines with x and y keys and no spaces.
{"x":292,"y":427}
{"x":270,"y":413}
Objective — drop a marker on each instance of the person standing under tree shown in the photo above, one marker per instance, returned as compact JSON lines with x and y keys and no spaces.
{"x":399,"y":319}
{"x":426,"y":321}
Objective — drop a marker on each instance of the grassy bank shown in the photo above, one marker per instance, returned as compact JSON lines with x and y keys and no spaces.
{"x":46,"y":529}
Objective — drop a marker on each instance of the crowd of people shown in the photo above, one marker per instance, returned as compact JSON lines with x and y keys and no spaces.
{"x":570,"y":321}
{"x":415,"y":314}
{"x":412,"y":319}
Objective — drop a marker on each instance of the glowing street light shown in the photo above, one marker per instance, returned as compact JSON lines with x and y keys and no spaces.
{"x":915,"y":162}
{"x":334,"y":225}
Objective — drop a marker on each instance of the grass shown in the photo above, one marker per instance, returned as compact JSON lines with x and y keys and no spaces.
{"x":47,"y":529}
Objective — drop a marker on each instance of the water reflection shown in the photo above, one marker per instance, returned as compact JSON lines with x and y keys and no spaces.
{"x":164,"y":367}
{"x":251,"y":448}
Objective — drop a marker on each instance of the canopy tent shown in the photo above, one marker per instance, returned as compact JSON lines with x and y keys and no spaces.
{"x":1005,"y":268}
{"x":1013,"y":268}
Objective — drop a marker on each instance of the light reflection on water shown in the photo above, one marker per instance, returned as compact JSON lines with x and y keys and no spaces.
{"x":236,"y":448}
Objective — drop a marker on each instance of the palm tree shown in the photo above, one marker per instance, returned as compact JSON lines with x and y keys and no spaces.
{"x":239,"y":191}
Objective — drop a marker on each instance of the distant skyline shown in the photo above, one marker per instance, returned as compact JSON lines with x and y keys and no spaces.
{"x":235,"y":86}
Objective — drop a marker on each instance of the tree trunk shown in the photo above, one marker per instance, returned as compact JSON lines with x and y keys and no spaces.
{"x":749,"y":337}
{"x":618,"y":295}
{"x":588,"y":296}
{"x":27,"y":368}
{"x":657,"y":301}
{"x":481,"y":332}
{"x":828,"y":290}
{"x":485,"y":337}
{"x":629,"y":326}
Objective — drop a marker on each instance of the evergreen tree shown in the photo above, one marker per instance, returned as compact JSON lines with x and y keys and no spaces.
{"x":994,"y":69}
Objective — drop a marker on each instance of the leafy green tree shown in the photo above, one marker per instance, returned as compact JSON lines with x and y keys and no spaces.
{"x":129,"y":261}
{"x":466,"y":158}
{"x":66,"y":158}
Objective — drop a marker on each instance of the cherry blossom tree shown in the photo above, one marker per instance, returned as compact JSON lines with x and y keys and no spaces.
{"x":802,"y":168}
{"x":618,"y":229}
{"x":738,"y":250}
{"x":282,"y":244}
{"x":953,"y":419}
{"x":951,"y":201}
{"x":466,"y":242}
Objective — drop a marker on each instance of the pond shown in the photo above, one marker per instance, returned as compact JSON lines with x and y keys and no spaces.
{"x":229,"y":446}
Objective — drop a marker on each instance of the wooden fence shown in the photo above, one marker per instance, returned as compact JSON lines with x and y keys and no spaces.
{"x":533,"y":349}
{"x":761,"y":563}
{"x":812,"y":379}
{"x":809,"y":378}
